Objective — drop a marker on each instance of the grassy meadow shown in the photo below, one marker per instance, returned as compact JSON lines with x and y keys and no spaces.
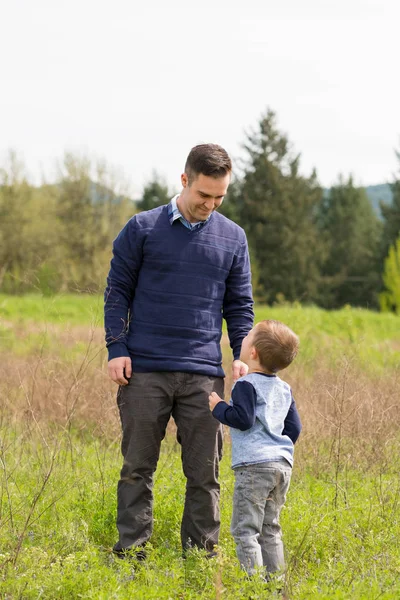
{"x":60,"y":462}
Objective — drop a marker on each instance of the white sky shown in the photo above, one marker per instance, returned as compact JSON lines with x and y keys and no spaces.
{"x":140,"y":82}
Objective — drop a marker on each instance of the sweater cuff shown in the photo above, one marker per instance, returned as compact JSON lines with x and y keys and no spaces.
{"x":219,"y":410}
{"x":117,"y":350}
{"x":236,"y":352}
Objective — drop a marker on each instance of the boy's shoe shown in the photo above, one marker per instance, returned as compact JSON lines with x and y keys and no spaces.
{"x":135,"y":553}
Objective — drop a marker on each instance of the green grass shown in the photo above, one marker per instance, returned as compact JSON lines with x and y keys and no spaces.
{"x":349,"y":324}
{"x":58,"y":486}
{"x":343,"y":548}
{"x":371,"y":339}
{"x":68,"y":309}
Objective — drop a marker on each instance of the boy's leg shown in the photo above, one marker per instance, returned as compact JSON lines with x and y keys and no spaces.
{"x":247,"y":518}
{"x":201,"y":438}
{"x":271,"y":535}
{"x":145,"y":406}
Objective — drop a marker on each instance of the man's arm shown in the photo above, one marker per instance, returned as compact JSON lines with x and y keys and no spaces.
{"x":242,"y":414}
{"x":121,"y":285}
{"x":238,"y":300}
{"x":292,"y":425}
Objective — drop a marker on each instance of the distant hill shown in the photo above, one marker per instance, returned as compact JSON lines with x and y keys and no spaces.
{"x":377,"y":193}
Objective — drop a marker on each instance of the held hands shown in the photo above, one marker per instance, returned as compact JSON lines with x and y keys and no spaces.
{"x":239,"y":369}
{"x":213,"y":400}
{"x":119,"y":369}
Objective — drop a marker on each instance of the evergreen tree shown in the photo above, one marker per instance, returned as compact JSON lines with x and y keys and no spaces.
{"x":391,"y":216}
{"x":155,"y":193}
{"x":278,"y":209}
{"x":352,"y":231}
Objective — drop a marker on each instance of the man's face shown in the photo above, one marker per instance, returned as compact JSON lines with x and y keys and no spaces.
{"x":199,"y":199}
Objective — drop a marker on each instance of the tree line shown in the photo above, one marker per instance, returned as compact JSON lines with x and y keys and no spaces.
{"x":307,"y":244}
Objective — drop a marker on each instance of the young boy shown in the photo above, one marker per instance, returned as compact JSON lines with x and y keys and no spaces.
{"x":265,"y":425}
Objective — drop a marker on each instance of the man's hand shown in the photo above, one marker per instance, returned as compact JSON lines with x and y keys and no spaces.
{"x":239,"y":369}
{"x":213,"y":400}
{"x":118,"y":367}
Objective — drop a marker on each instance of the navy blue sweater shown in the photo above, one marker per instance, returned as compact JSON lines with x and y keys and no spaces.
{"x":169,"y":288}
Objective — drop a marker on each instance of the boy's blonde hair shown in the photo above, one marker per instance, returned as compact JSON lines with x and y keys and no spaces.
{"x":276,"y":345}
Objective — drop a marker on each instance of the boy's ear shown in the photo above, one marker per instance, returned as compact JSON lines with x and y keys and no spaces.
{"x":253,"y":353}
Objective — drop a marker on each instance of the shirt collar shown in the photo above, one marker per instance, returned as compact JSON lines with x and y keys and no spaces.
{"x":175,"y":214}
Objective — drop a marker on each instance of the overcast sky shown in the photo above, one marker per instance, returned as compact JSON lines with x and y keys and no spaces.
{"x":139,"y":82}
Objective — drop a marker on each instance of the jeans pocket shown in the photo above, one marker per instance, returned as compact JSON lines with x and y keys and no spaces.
{"x":250,"y":487}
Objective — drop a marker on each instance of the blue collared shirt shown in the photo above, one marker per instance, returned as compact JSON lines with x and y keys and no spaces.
{"x":174,"y":214}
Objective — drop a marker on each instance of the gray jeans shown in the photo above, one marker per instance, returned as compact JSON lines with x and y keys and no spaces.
{"x":145,"y":406}
{"x":259,"y":495}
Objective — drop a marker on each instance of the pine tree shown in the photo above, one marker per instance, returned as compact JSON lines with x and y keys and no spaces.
{"x":278,"y":209}
{"x":352,"y":231}
{"x":391,"y":216}
{"x":155,"y":193}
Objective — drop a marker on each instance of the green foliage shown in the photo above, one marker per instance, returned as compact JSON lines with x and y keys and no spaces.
{"x":391,"y":215}
{"x":155,"y":194}
{"x":277,"y":207}
{"x":352,"y":233}
{"x":59,"y":237}
{"x":91,"y":214}
{"x":390,"y":297}
{"x":303,"y":246}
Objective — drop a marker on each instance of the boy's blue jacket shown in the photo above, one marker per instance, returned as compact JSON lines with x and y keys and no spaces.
{"x":264,"y":420}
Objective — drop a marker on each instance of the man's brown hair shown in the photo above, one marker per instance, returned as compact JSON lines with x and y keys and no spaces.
{"x":276,"y":345}
{"x":207,"y":159}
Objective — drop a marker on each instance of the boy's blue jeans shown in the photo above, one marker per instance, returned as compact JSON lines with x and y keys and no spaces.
{"x":259,"y":495}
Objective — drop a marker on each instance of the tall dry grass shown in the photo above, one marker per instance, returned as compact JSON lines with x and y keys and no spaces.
{"x":349,"y":415}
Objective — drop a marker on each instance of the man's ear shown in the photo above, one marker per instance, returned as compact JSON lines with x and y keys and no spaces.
{"x":184,"y":180}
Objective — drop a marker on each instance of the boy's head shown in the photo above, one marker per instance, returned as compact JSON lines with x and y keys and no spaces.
{"x":272,"y":344}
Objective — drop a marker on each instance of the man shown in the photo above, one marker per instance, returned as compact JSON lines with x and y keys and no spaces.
{"x":176,"y":272}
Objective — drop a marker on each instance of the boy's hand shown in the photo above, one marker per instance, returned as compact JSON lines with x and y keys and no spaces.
{"x":213,"y":400}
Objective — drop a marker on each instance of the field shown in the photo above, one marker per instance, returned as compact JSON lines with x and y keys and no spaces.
{"x":60,"y":461}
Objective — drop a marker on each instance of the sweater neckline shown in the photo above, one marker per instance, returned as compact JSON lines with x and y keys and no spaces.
{"x":189,"y":231}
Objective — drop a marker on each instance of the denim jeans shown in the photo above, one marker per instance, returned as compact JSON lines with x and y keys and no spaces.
{"x":146,"y":405}
{"x":259,"y":495}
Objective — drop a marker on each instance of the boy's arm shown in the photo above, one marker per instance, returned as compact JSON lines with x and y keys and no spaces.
{"x":242,"y":414}
{"x":292,"y":425}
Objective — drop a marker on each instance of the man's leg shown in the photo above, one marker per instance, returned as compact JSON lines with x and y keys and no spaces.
{"x":201,"y":438}
{"x":145,"y":406}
